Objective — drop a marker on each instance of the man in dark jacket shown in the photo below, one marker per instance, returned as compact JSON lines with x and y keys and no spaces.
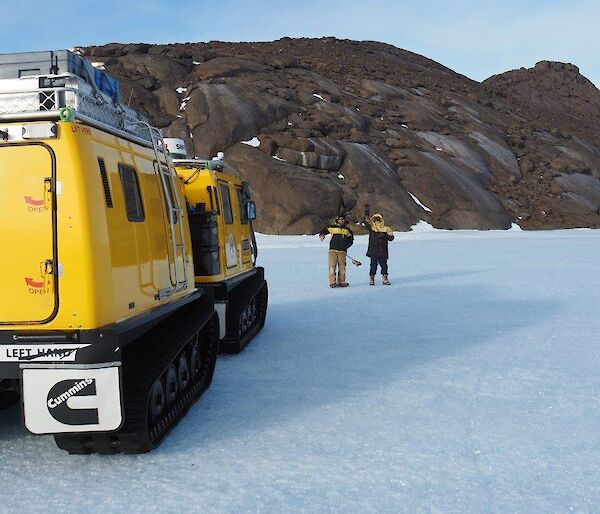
{"x":342,"y":238}
{"x":379,"y":236}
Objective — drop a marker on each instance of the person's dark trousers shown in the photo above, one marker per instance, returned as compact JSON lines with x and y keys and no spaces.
{"x":382,"y":261}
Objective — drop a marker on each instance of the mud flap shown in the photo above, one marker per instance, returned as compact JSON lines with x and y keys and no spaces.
{"x":68,"y":399}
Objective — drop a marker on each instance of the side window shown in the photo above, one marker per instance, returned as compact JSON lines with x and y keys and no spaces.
{"x":131,"y":191}
{"x":226,"y":200}
{"x":243,"y":212}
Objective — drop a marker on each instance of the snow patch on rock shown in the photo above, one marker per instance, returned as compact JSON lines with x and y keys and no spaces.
{"x":254,"y":142}
{"x":184,"y":102}
{"x":418,"y":202}
{"x":423,"y":226}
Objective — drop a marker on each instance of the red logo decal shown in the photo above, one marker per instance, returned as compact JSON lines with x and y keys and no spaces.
{"x":31,"y":201}
{"x":32,"y":283}
{"x":36,"y":288}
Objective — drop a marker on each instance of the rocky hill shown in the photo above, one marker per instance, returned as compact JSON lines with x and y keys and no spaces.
{"x":322,"y":126}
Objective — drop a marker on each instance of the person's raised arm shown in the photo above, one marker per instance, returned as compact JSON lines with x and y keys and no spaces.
{"x":366,"y":221}
{"x":323,"y":233}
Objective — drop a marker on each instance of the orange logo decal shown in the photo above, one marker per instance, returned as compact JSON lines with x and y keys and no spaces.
{"x":32,"y":283}
{"x":34,"y":205}
{"x":36,"y":287}
{"x":31,"y":201}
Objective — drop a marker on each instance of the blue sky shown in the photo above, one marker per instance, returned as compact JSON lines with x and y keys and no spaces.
{"x":476,"y":38}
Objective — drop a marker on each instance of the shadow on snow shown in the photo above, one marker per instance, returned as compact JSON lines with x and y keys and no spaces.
{"x":318,"y":352}
{"x":336,"y":346}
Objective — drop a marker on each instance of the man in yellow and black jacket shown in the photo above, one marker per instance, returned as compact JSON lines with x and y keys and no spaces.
{"x":342,"y":238}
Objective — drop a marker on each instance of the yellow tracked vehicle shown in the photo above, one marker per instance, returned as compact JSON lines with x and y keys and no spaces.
{"x":221,"y":211}
{"x":123,"y":274}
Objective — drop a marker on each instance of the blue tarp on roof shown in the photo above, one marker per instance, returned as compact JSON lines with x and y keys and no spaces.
{"x":107,"y":84}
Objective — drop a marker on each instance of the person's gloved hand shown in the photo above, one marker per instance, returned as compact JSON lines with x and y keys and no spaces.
{"x":382,"y":235}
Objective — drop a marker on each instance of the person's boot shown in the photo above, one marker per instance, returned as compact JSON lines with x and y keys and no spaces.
{"x":333,"y":284}
{"x":372,"y":280}
{"x":386,"y":281}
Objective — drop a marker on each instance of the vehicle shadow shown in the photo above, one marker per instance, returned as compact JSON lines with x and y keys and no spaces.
{"x":11,"y":423}
{"x":338,"y":345}
{"x":333,"y":347}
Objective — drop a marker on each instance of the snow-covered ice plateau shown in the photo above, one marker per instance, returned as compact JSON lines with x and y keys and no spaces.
{"x":472,"y":384}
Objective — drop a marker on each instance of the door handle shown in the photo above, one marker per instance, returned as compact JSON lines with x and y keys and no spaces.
{"x":47,"y":193}
{"x":46,"y":270}
{"x":47,"y":267}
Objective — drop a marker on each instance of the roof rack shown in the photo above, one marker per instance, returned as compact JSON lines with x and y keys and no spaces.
{"x":217,"y":163}
{"x":73,"y":89}
{"x":213,"y":164}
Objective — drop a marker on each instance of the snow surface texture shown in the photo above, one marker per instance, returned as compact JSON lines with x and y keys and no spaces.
{"x":469,"y":385}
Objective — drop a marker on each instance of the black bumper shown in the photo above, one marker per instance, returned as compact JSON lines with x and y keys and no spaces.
{"x":83,"y":347}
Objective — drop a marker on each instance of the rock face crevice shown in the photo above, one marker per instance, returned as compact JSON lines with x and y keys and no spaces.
{"x":331,"y":125}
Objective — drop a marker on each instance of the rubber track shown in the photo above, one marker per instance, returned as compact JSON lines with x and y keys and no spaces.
{"x":142,"y":364}
{"x":231,"y":345}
